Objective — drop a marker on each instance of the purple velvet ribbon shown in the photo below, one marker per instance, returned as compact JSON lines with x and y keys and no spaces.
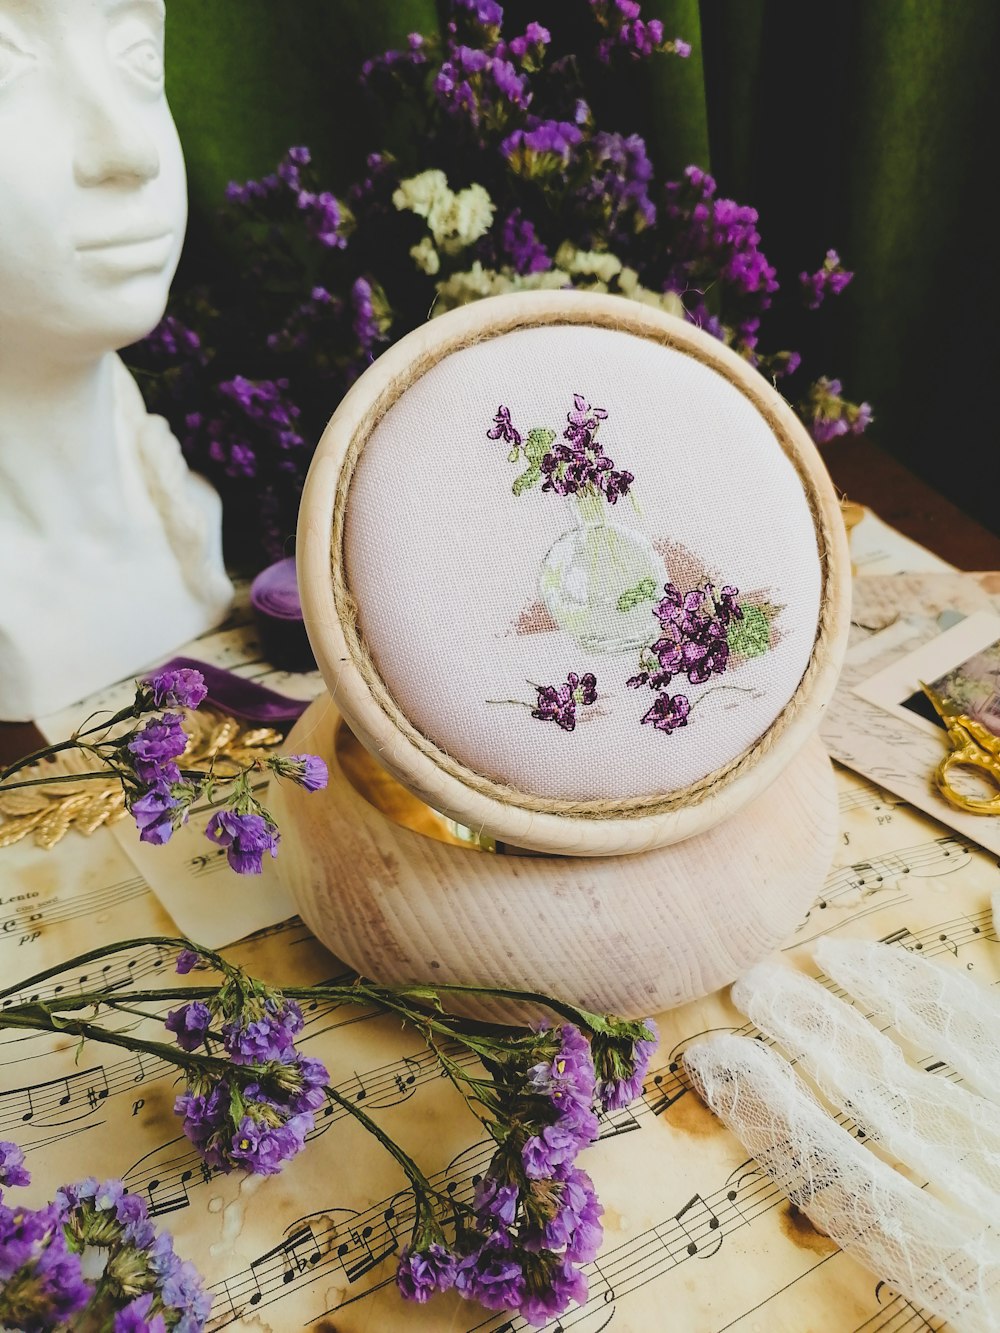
{"x":241,"y":698}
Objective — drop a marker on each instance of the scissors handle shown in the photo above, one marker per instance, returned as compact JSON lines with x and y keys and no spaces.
{"x":970,"y":756}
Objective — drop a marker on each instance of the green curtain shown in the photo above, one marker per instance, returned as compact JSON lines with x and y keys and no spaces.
{"x":867,"y":125}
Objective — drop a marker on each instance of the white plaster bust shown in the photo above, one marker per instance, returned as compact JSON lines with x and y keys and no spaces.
{"x":110,"y":550}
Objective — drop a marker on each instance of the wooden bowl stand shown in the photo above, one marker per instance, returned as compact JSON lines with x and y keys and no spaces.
{"x":631,"y":935}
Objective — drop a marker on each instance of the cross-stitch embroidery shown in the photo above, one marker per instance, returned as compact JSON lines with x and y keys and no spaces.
{"x":596,"y":582}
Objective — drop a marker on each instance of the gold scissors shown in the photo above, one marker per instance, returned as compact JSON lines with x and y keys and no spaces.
{"x":972,"y":746}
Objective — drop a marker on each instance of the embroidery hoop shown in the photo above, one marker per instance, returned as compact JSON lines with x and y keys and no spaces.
{"x":596,"y":828}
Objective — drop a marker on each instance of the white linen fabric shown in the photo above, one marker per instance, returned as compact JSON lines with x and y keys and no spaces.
{"x":470,"y":596}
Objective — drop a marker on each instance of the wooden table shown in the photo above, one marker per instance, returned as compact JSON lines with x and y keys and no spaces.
{"x":864,"y":472}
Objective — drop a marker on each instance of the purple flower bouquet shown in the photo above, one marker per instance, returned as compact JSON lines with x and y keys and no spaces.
{"x":509,"y":183}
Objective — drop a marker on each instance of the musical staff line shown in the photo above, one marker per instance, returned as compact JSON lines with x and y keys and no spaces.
{"x":165,"y":1181}
{"x":927,"y":860}
{"x":868,"y":796}
{"x":57,"y":911}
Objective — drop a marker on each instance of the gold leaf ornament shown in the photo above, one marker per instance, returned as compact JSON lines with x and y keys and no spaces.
{"x":50,"y":810}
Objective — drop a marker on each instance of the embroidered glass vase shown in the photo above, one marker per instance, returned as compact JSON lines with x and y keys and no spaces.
{"x":600,"y":579}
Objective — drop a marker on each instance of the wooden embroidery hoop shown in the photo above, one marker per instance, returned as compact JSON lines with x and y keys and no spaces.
{"x":677,"y":894}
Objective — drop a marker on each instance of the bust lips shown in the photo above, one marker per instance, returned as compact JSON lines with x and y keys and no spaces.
{"x":135,"y":251}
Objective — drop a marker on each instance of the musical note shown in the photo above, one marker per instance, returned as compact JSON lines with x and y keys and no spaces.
{"x":97,"y":1091}
{"x":695,"y":1220}
{"x":58,"y":1101}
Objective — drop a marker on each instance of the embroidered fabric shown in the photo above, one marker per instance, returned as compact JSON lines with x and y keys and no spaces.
{"x":511,"y":525}
{"x":936,"y":1252}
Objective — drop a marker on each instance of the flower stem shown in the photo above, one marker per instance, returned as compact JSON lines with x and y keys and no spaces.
{"x":716,"y":689}
{"x":35,"y":757}
{"x":165,"y":942}
{"x":49,"y":782}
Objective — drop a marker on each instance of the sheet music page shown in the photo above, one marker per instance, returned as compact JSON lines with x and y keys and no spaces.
{"x":696,"y":1238}
{"x":693,"y":1232}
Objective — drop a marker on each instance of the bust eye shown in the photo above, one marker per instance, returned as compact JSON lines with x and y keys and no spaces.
{"x":144,"y":59}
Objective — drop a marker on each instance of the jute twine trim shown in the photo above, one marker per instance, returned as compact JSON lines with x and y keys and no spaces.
{"x":347,"y":610}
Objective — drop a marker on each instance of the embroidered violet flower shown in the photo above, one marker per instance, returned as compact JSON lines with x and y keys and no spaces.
{"x":189,"y":1024}
{"x":558,"y":703}
{"x":183,"y":688}
{"x":155,"y":746}
{"x":423,"y":1272}
{"x":246,"y":838}
{"x":694,"y":641}
{"x":503,"y":428}
{"x":727,"y":609}
{"x":306,"y":770}
{"x":584,"y":421}
{"x":667,"y":714}
{"x":12,"y":1169}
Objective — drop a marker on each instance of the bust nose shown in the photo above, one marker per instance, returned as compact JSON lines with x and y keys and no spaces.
{"x":111,"y":144}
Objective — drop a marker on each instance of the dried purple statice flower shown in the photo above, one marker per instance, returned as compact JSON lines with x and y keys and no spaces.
{"x":12,"y":1168}
{"x":246,"y":837}
{"x":158,"y":813}
{"x":155,"y":746}
{"x":145,"y":1287}
{"x":829,"y":415}
{"x":830,"y":280}
{"x":421,"y":1273}
{"x":305,"y":770}
{"x":622,"y":1062}
{"x":536,"y":1216}
{"x":183,"y":687}
{"x":189,"y":1024}
{"x":41,"y":1281}
{"x":521,"y":245}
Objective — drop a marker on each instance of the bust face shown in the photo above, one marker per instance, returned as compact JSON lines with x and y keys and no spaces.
{"x":92,"y":191}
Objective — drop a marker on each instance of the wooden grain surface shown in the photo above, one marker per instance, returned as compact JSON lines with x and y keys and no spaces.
{"x":403,"y":907}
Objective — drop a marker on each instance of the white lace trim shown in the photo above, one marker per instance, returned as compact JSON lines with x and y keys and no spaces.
{"x":948,"y":1134}
{"x":939,"y":1008}
{"x":943,"y":1260}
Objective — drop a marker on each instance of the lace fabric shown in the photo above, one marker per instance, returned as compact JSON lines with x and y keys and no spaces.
{"x":937,"y":1007}
{"x":948,"y":1134}
{"x":939,"y":1253}
{"x":944,"y":1260}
